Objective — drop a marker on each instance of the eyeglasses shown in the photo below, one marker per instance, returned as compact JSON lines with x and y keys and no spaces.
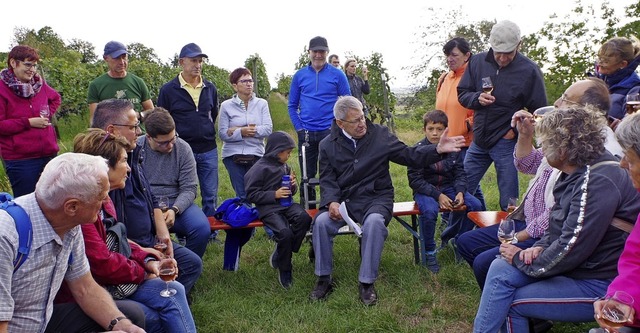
{"x":564,"y":99}
{"x":29,"y":65}
{"x":361,"y":119}
{"x":249,"y":81}
{"x":104,"y":139}
{"x":165,"y":143}
{"x":131,"y":127}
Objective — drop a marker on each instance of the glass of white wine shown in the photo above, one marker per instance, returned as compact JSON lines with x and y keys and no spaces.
{"x":539,"y":113}
{"x":632,"y":102}
{"x":163,"y":203}
{"x":506,"y":232}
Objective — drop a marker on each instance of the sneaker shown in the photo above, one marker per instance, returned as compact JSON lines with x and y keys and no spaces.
{"x":432,"y":263}
{"x":285,"y":278}
{"x":322,"y":289}
{"x":368,"y":294}
{"x":273,"y":260}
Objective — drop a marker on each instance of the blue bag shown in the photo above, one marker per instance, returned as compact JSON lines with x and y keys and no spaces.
{"x":23,"y":227}
{"x":236,"y":213}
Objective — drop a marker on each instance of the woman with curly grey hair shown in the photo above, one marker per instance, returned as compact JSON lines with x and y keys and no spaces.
{"x":570,"y":267}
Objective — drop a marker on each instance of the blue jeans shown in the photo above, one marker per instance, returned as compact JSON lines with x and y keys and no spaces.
{"x":510,"y":297}
{"x":429,"y":208}
{"x":189,"y":266}
{"x":194,"y":225}
{"x":478,"y":160}
{"x":24,"y":174}
{"x":236,"y":175}
{"x":164,"y":314}
{"x":480,"y":246}
{"x":207,"y":169}
{"x":311,"y":155}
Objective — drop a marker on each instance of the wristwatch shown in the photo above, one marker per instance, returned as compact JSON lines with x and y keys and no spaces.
{"x":175,"y":209}
{"x":114,"y":322}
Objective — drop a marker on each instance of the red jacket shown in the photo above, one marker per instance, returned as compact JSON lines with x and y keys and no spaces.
{"x":107,"y":267}
{"x":18,"y":140}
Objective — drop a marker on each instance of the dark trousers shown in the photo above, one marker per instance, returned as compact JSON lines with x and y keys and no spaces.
{"x":311,"y":140}
{"x":69,"y":317}
{"x":289,"y":229}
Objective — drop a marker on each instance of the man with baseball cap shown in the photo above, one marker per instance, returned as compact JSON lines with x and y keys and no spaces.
{"x":117,"y":82}
{"x":192,"y":101}
{"x":314,"y":90}
{"x":513,"y":82}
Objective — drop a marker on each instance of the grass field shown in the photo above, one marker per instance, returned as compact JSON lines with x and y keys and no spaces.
{"x":411,"y":298}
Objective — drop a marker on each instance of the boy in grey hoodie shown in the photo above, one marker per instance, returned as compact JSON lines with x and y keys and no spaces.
{"x":263,"y":185}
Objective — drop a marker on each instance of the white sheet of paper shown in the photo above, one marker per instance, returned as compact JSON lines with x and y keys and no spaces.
{"x":345,"y":216}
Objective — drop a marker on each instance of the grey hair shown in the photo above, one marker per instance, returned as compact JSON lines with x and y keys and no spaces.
{"x":574,"y":135}
{"x":71,"y":175}
{"x":628,"y":132}
{"x":111,"y":111}
{"x":344,"y":104}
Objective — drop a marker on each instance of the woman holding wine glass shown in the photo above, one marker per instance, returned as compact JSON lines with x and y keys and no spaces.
{"x":628,"y":134}
{"x":144,"y":266}
{"x":570,"y":267}
{"x":27,"y":103}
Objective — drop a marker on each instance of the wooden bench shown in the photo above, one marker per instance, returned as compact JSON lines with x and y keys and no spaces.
{"x":486,"y":218}
{"x":400,"y":209}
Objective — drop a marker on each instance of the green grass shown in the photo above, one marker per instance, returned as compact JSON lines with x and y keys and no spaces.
{"x":411,"y":298}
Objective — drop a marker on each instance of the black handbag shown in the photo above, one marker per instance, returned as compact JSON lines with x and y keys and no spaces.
{"x":117,"y":242}
{"x":244,"y":159}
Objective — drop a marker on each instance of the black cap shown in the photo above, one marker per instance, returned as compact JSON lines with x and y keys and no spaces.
{"x":191,"y":50}
{"x":318,"y":44}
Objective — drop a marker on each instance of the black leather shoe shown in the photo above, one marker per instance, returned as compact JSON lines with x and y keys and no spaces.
{"x":322,"y":289}
{"x":368,"y":294}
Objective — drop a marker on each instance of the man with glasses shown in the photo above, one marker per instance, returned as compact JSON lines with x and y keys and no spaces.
{"x":314,"y":90}
{"x":192,"y":101}
{"x":514,"y":82}
{"x":135,"y":205}
{"x":169,"y":166}
{"x":117,"y":82}
{"x":354,"y":169}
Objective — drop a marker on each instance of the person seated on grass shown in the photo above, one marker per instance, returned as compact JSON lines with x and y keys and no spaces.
{"x":354,"y":169}
{"x":134,"y":204}
{"x":628,"y":134}
{"x":141,"y":267}
{"x":288,"y":220}
{"x":570,"y":267}
{"x":441,"y":185}
{"x":169,"y":166}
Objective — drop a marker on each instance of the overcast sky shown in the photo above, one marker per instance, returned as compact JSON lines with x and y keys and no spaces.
{"x":278,"y":30}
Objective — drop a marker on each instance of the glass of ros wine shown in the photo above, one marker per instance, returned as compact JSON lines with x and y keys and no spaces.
{"x":616,"y":311}
{"x":487,"y":85}
{"x":168,"y":272}
{"x":633,"y":103}
{"x":160,"y":245}
{"x":506,"y":232}
{"x":539,"y":113}
{"x":512,"y":204}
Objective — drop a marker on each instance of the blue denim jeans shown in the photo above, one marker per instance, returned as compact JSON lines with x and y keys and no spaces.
{"x":429,"y":208}
{"x":207,"y":169}
{"x":478,"y":160}
{"x":24,"y":174}
{"x":236,"y":175}
{"x":189,"y":266}
{"x":311,"y":155}
{"x":480,"y":246}
{"x":164,"y":314}
{"x":510,"y":297}
{"x":194,"y":226}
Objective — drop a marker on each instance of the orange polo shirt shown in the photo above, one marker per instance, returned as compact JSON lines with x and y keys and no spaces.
{"x":447,"y":101}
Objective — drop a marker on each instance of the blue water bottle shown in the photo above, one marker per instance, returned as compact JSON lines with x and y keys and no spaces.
{"x":286,"y":182}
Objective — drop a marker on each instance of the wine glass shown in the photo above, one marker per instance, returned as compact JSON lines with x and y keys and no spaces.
{"x":160,"y":245}
{"x":163,"y":203}
{"x":45,"y":112}
{"x":487,"y":85}
{"x":616,"y":311}
{"x":506,"y":232}
{"x":512,"y":204}
{"x":168,"y":272}
{"x":632,"y":102}
{"x":539,"y":113}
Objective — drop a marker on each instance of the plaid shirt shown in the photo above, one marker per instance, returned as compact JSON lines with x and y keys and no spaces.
{"x":27,"y":294}
{"x":535,"y":211}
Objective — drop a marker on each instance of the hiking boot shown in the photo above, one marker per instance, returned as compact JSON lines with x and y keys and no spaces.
{"x":285,"y":278}
{"x":273,"y":260}
{"x":322,"y":289}
{"x":368,"y":294}
{"x":432,"y":263}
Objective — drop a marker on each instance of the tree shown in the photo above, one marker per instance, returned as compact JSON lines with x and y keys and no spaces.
{"x":284,"y":84}
{"x":256,"y":66}
{"x":45,"y":40}
{"x":137,"y":51}
{"x":86,"y":50}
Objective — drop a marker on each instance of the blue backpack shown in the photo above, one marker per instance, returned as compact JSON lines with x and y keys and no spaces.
{"x":236,"y":213}
{"x":23,"y":227}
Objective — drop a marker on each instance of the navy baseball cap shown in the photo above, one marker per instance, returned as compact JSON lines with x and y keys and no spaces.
{"x":191,"y":50}
{"x":114,"y":49}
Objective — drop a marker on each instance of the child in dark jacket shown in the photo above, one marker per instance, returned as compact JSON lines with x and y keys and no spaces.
{"x":263,"y":186}
{"x":440,"y":185}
